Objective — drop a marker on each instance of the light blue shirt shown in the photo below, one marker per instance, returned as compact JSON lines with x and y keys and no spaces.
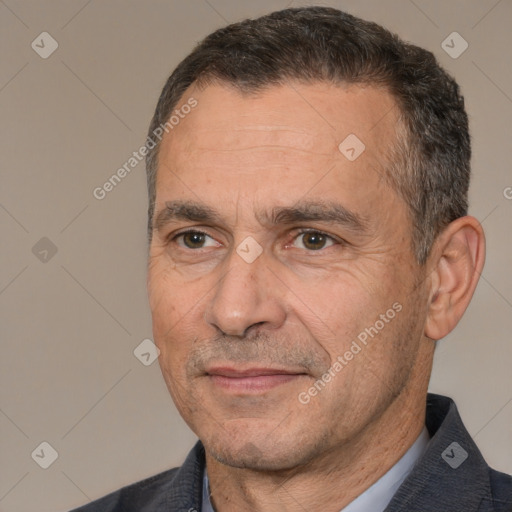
{"x":377,"y":497}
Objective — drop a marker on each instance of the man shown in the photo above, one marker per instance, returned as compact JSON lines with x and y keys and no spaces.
{"x":309,"y":243}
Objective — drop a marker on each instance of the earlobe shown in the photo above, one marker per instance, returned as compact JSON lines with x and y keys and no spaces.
{"x":457,"y":261}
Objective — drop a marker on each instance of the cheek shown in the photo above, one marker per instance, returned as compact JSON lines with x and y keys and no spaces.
{"x":336,"y":308}
{"x":170,"y":305}
{"x":177,"y":309}
{"x":167,"y":295}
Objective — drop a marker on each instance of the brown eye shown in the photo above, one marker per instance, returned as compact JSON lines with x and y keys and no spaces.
{"x":314,"y":240}
{"x":195,"y":240}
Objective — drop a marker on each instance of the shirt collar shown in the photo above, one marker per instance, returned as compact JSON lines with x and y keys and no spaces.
{"x":376,"y":497}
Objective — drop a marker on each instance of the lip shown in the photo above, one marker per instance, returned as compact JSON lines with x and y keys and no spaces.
{"x":228,"y":371}
{"x":251,"y":380}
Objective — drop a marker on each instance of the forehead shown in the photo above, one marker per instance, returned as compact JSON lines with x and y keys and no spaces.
{"x":315,"y":117}
{"x":280,"y":145}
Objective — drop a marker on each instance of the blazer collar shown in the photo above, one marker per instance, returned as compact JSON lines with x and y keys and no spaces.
{"x":451,"y":474}
{"x":185,"y":493}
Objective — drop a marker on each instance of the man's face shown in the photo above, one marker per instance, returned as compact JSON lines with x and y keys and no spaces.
{"x":272,"y":255}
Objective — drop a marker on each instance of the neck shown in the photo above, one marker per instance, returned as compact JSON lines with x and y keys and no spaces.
{"x":332,"y":480}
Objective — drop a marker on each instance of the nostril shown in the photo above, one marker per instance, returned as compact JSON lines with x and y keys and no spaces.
{"x":252,"y":328}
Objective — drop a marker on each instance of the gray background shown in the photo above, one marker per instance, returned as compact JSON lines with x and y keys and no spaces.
{"x":68,"y":375}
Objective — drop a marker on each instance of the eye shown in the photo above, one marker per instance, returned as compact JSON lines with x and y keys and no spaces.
{"x":313,"y":240}
{"x":194,"y":240}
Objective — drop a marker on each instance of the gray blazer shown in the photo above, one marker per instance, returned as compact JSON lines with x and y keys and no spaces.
{"x":451,"y":476}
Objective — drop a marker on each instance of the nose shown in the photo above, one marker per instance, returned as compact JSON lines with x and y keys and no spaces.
{"x":245,"y":297}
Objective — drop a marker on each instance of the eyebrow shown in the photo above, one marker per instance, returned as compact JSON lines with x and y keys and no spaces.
{"x":310,"y":211}
{"x":184,"y":210}
{"x":303,"y":211}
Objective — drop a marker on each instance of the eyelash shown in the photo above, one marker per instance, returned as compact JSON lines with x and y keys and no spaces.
{"x":303,"y":231}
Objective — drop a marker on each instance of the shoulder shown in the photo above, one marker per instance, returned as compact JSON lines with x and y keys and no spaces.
{"x":138,"y":496}
{"x":501,"y":491}
{"x":452,"y":474}
{"x":175,"y":489}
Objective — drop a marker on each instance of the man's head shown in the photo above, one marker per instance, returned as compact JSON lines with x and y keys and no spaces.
{"x":307,"y":234}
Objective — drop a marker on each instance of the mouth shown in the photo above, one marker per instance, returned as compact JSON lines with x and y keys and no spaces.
{"x":251,"y":380}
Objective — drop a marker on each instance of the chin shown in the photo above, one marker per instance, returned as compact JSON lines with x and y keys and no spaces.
{"x":261,"y":449}
{"x":252,"y":456}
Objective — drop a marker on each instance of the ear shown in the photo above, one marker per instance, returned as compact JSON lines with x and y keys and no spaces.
{"x":456,"y":262}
